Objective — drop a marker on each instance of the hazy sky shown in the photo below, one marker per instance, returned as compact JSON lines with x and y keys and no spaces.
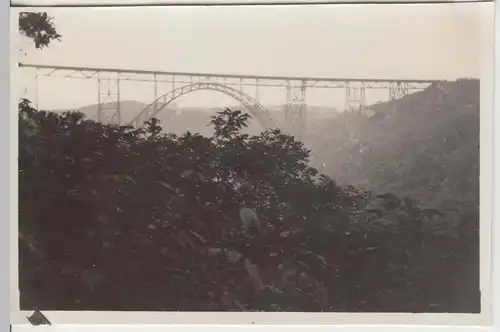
{"x":362,"y":41}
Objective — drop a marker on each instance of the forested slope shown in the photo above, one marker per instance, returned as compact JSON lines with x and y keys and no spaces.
{"x":425,"y":145}
{"x":112,"y":218}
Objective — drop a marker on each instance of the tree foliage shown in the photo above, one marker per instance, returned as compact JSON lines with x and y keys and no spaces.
{"x":116,"y":218}
{"x":38,"y":27}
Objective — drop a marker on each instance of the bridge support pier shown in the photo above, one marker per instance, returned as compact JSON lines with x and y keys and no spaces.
{"x":397,"y":90}
{"x":355,"y":98}
{"x":108,"y":100}
{"x":355,"y":101}
{"x":296,"y":109}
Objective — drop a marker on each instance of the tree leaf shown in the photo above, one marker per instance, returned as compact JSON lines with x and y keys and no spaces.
{"x":233,"y":256}
{"x":198,"y":236}
{"x":187,"y":173}
{"x":253,"y":272}
{"x":166,"y":185}
{"x":248,"y":218}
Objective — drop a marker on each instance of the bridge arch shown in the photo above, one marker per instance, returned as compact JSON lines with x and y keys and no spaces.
{"x":252,"y":105}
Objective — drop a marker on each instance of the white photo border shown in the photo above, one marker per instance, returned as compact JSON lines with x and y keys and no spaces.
{"x":139,"y":319}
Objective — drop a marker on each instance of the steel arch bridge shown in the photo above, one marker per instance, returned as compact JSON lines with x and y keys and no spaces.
{"x":253,"y":106}
{"x":109,"y":94}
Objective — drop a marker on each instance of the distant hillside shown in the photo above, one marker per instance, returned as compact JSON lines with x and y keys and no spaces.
{"x":426,"y":144}
{"x":129,"y":108}
{"x":195,"y":119}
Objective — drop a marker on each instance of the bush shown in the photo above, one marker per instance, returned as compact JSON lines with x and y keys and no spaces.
{"x":116,"y":218}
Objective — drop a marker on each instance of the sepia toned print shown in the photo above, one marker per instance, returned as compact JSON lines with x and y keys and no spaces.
{"x":248,"y":159}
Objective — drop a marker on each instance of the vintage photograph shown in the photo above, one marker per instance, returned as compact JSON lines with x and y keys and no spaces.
{"x":247,"y":158}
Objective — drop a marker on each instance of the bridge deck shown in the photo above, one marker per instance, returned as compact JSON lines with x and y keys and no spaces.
{"x":237,"y":76}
